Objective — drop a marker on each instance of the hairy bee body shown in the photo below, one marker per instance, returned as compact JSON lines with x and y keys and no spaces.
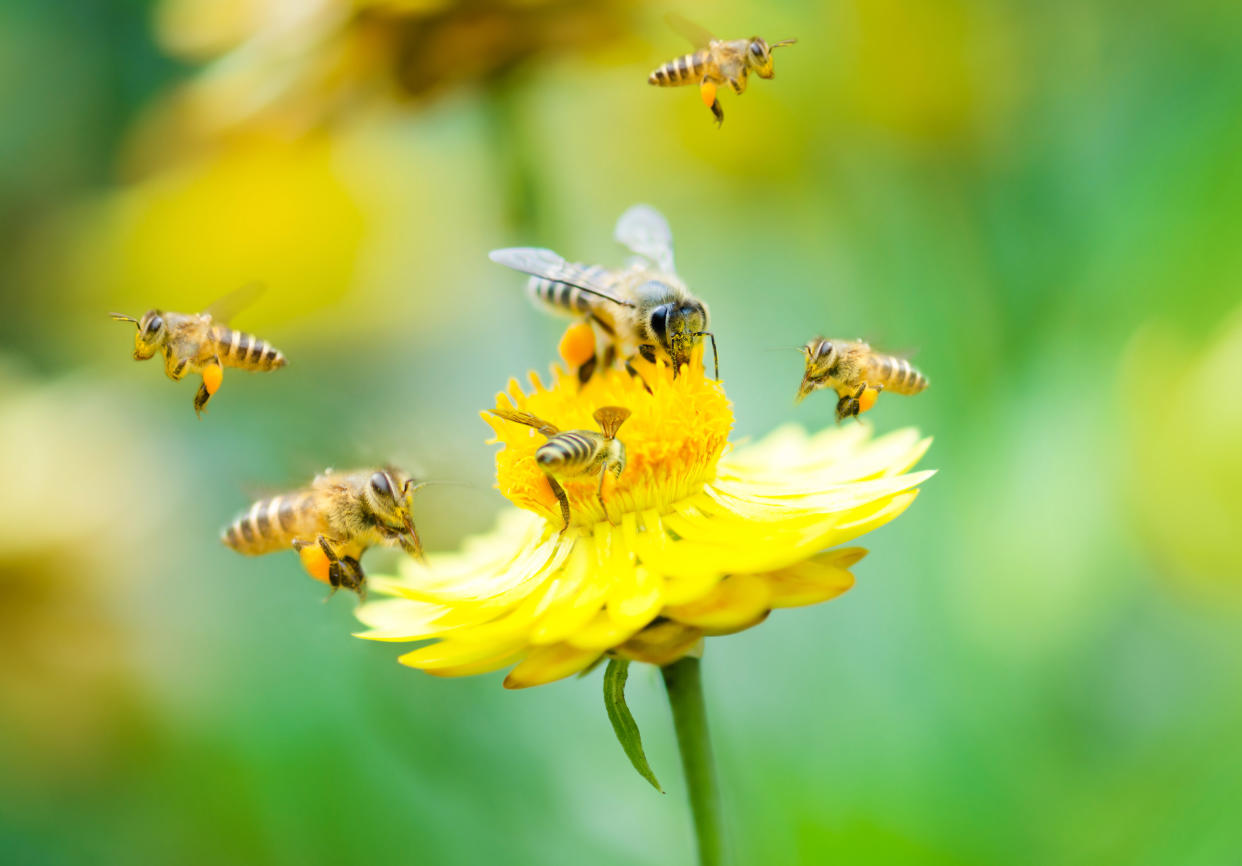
{"x":572,"y":454}
{"x":341,"y":513}
{"x":564,"y":298}
{"x":721,"y":62}
{"x":643,"y":309}
{"x":689,"y":68}
{"x":202,"y":343}
{"x":273,"y":524}
{"x":895,"y":374}
{"x":241,"y":350}
{"x":857,"y":373}
{"x":575,"y":453}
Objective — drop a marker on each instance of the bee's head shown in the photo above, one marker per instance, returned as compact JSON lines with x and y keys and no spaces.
{"x":821,"y":360}
{"x":389,"y":494}
{"x":678,"y":328}
{"x":759,"y":56}
{"x":151,"y":336}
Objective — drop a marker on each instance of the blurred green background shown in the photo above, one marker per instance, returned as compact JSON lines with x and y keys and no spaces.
{"x":1040,"y":662}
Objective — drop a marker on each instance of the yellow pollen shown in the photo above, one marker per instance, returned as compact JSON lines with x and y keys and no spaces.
{"x":867,"y":399}
{"x":213,"y":375}
{"x":578,"y":345}
{"x":673,"y":440}
{"x":315,"y":561}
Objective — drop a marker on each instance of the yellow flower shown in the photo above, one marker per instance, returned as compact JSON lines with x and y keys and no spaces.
{"x":698,"y":541}
{"x":292,"y":65}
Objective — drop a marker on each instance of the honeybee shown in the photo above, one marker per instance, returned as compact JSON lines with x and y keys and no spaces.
{"x":331,"y":522}
{"x":644,"y":309}
{"x":202,"y":343}
{"x":577,"y":453}
{"x":717,"y":62}
{"x":856,"y":373}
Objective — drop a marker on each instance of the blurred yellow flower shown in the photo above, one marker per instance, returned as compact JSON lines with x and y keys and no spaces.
{"x":290,"y":65}
{"x":1183,"y":467}
{"x":68,"y":675}
{"x":704,"y":542}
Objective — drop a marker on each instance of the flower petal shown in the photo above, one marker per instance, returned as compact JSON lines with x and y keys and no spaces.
{"x":603,"y":632}
{"x":545,"y":664}
{"x":814,"y":580}
{"x":736,"y":601}
{"x":448,"y":658}
{"x":661,"y":644}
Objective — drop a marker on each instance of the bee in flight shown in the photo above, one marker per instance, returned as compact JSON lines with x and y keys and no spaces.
{"x":332,"y":522}
{"x":203,"y":343}
{"x":573,"y":454}
{"x":856,"y":373}
{"x":717,"y":62}
{"x":644,"y":309}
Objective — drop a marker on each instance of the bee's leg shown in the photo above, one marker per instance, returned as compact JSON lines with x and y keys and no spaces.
{"x":559,"y":492}
{"x":707,"y":90}
{"x":867,"y":396}
{"x":599,"y":493}
{"x":847,"y":406}
{"x":335,"y":576}
{"x":352,"y":577}
{"x":587,"y":369}
{"x":174,"y":367}
{"x":629,"y":368}
{"x":213,"y":374}
{"x":602,"y":325}
{"x":739,"y":84}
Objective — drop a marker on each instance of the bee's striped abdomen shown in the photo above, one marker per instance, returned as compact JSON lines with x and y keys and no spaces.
{"x":687,"y":69}
{"x":564,"y":297}
{"x":570,"y":453}
{"x":245,"y":351}
{"x":272,"y":524}
{"x":897,"y":375}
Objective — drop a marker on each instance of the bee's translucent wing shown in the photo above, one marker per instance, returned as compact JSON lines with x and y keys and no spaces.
{"x":224,"y":309}
{"x":644,"y":230}
{"x":543,"y":263}
{"x":699,"y":36}
{"x":528,"y":419}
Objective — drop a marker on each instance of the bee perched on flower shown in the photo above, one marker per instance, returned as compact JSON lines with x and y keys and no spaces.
{"x":700,"y":539}
{"x":640,"y":550}
{"x":692,"y":540}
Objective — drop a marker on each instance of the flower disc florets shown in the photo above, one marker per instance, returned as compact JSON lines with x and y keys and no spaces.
{"x":673,"y":440}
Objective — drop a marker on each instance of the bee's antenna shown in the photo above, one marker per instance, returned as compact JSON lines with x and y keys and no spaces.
{"x":715,"y":357}
{"x":420,"y":485}
{"x":782,"y":43}
{"x":121,"y":317}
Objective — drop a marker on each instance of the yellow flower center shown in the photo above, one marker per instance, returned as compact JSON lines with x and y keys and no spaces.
{"x":673,"y":440}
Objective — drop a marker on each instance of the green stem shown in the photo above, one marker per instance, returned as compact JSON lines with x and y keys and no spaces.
{"x":684,"y":682}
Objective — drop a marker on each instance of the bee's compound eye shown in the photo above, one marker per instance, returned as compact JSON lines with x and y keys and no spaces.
{"x":756,"y":49}
{"x":379,"y":483}
{"x":153,"y":326}
{"x":825,"y":349}
{"x":659,"y":322}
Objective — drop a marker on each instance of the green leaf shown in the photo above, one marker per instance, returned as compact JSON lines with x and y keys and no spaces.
{"x":623,"y":724}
